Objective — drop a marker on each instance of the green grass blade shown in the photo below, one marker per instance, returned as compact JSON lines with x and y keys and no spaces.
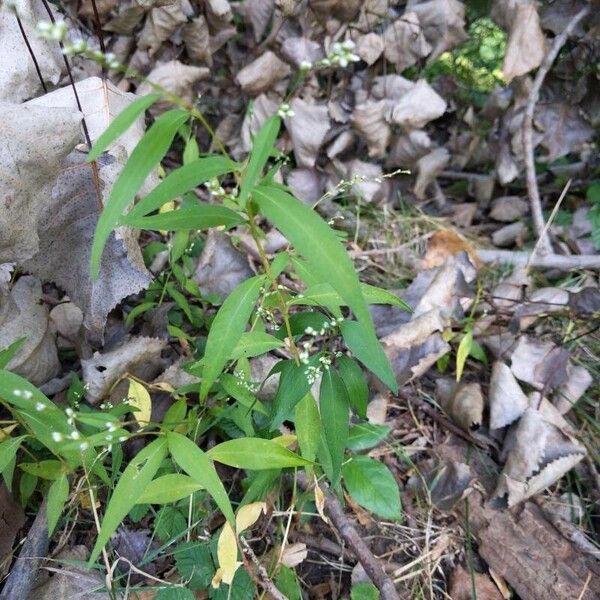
{"x":182,"y":180}
{"x":121,"y":123}
{"x":199,"y":466}
{"x":226,"y":330}
{"x":201,"y":216}
{"x":261,"y":149}
{"x":328,"y":259}
{"x":145,"y":156}
{"x":137,"y":475}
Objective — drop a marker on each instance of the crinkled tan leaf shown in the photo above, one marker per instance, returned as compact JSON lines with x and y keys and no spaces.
{"x":539,"y":363}
{"x":221,"y":267}
{"x":262,"y":108}
{"x":465,"y":407}
{"x":418,"y":106}
{"x":34,"y":142}
{"x":307,"y":184}
{"x":428,"y":168}
{"x":443,"y":23}
{"x":407,"y":149}
{"x":300,"y":49}
{"x":262,"y":73}
{"x":541,"y":302}
{"x":369,"y":185}
{"x":259,"y":13}
{"x":370,"y":47}
{"x":369,"y":120}
{"x":102,"y":370}
{"x":67,"y":319}
{"x":526,"y":45}
{"x":18,"y":77}
{"x":508,"y":208}
{"x":126,"y":21}
{"x":544,"y":450}
{"x":578,"y":381}
{"x":196,"y":38}
{"x":507,"y":400}
{"x":161,"y":23}
{"x":342,"y":10}
{"x":24,"y":315}
{"x":294,"y":554}
{"x":307,"y":128}
{"x":404,"y":41}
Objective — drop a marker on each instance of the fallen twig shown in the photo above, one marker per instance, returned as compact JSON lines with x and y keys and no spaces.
{"x":544,"y":261}
{"x":532,"y":185}
{"x":263,"y":577}
{"x":20,"y":580}
{"x":335,"y":512}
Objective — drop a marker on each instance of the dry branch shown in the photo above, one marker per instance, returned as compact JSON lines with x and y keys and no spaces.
{"x":543,"y":261}
{"x":532,"y":186}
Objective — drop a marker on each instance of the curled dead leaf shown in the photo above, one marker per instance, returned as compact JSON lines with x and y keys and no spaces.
{"x":418,"y":106}
{"x":307,"y":128}
{"x":260,"y":75}
{"x":507,"y":400}
{"x":404,"y":41}
{"x":369,"y":120}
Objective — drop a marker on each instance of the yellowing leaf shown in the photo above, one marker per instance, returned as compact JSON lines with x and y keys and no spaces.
{"x":5,"y":431}
{"x":320,"y":501}
{"x":248,"y":515}
{"x":285,"y":440}
{"x":139,"y":397}
{"x":462,"y":353}
{"x":227,"y":552}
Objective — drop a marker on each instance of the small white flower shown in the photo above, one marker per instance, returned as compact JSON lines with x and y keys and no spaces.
{"x":52,"y":31}
{"x":348,"y":45}
{"x":111,"y":61}
{"x":84,"y":446}
{"x":69,"y":411}
{"x":123,"y":438}
{"x":27,"y":394}
{"x":40,"y":406}
{"x":111,"y":427}
{"x":285,"y":111}
{"x":17,"y":393}
{"x":57,"y":436}
{"x":305,"y":65}
{"x":75,"y":47}
{"x":74,"y":435}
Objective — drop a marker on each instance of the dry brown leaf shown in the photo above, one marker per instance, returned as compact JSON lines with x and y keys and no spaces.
{"x":507,"y":400}
{"x":370,"y":47}
{"x":369,"y":120}
{"x":12,"y":518}
{"x":197,"y":40}
{"x":260,"y":75}
{"x":564,"y":130}
{"x":541,"y":364}
{"x":508,"y":208}
{"x":526,"y":46}
{"x":176,"y":78}
{"x":342,"y":10}
{"x":391,"y":87}
{"x":104,"y":369}
{"x":104,"y":8}
{"x":298,"y":50}
{"x":461,"y":586}
{"x":509,"y":235}
{"x":449,"y":483}
{"x":377,"y":409}
{"x":221,"y":267}
{"x":443,"y":23}
{"x":161,"y":23}
{"x":218,"y":12}
{"x":428,"y":168}
{"x":293,"y":555}
{"x":368,"y":182}
{"x":466,"y":405}
{"x":67,"y":319}
{"x":307,"y":184}
{"x":126,"y":21}
{"x":259,"y":13}
{"x":24,"y":315}
{"x":307,"y":128}
{"x":541,"y":302}
{"x":263,"y":107}
{"x":418,"y":106}
{"x":579,"y":379}
{"x":404,"y":41}
{"x":544,"y":450}
{"x":407,"y":149}
{"x":18,"y":77}
{"x":445,"y":243}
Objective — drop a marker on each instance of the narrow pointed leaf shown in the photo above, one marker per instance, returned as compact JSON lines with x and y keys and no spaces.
{"x":201,"y":216}
{"x":308,"y":426}
{"x":227,"y":329}
{"x":199,"y":466}
{"x":169,"y":488}
{"x":136,"y":476}
{"x":121,"y":123}
{"x":356,"y":385}
{"x":145,"y":156}
{"x":57,"y":496}
{"x":180,"y":181}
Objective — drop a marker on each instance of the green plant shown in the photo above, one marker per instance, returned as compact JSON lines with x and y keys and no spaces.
{"x":324,"y":332}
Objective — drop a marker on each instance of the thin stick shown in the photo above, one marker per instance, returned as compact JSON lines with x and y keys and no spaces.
{"x":547,"y":261}
{"x":263,"y":576}
{"x":371,"y":565}
{"x":547,"y":225}
{"x":98,"y":28}
{"x":31,"y":53}
{"x":70,"y":73}
{"x":532,"y":186}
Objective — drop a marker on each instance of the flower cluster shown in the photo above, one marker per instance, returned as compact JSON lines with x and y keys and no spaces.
{"x":251,"y":386}
{"x":342,"y":54}
{"x":285,"y":111}
{"x":55,"y":32}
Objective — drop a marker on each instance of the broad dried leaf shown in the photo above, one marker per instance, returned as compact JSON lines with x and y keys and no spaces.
{"x":450,"y":483}
{"x":24,"y":315}
{"x":259,"y":13}
{"x":443,"y":23}
{"x":419,"y":105}
{"x":464,"y":585}
{"x":221,"y":267}
{"x":508,"y":208}
{"x":103,"y":370}
{"x":507,"y":400}
{"x":370,"y":47}
{"x":404,"y":41}
{"x":526,"y":45}
{"x":293,"y":555}
{"x":28,"y":170}
{"x":196,"y":38}
{"x":298,"y":50}
{"x":12,"y":518}
{"x":369,"y":184}
{"x":262,"y":108}
{"x":579,"y":379}
{"x":342,"y":10}
{"x":407,"y":149}
{"x":18,"y":77}
{"x":428,"y":168}
{"x":465,"y":407}
{"x":307,"y":128}
{"x":262,"y":73}
{"x":369,"y":120}
{"x":161,"y":23}
{"x":544,"y":450}
{"x":541,"y":364}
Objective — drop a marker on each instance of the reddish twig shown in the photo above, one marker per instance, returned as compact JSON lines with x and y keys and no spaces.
{"x":31,"y":53}
{"x":335,"y":512}
{"x":532,"y":186}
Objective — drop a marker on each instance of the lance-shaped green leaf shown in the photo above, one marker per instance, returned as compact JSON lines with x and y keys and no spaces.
{"x":317,"y":242}
{"x":137,"y":475}
{"x":6,"y":355}
{"x":356,"y":384}
{"x":335,"y":416}
{"x":169,"y":488}
{"x":201,"y":216}
{"x":8,"y":450}
{"x":145,"y":156}
{"x":227,"y":329}
{"x":180,"y":181}
{"x":255,"y":454}
{"x":57,"y":496}
{"x":255,"y":343}
{"x":261,"y":149}
{"x":198,"y":465}
{"x":120,"y":124}
{"x":308,"y":426}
